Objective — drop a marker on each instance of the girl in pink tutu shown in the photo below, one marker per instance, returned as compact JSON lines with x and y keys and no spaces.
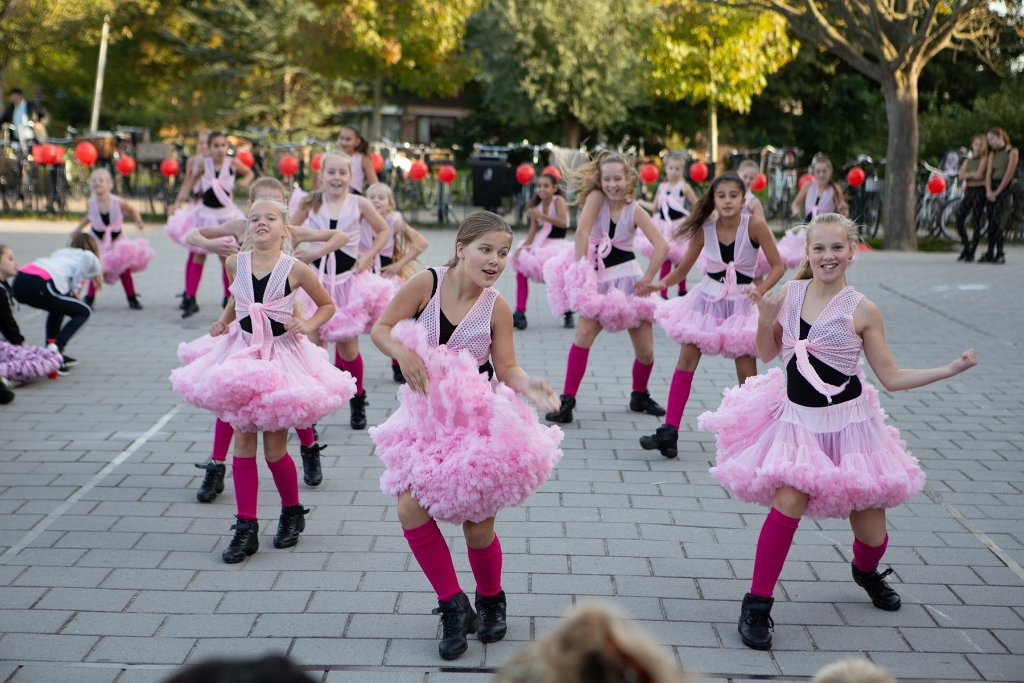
{"x":119,"y":255}
{"x":670,"y":207}
{"x":606,"y":285}
{"x":182,"y":215}
{"x":460,"y":447}
{"x":812,"y":439}
{"x":359,"y":295}
{"x":220,"y":173}
{"x":719,"y":317}
{"x":821,"y":195}
{"x":19,"y":362}
{"x":549,"y":223}
{"x":263,"y":374}
{"x":352,"y":143}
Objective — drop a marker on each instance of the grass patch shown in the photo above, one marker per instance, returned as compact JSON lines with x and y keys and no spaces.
{"x":935,"y":244}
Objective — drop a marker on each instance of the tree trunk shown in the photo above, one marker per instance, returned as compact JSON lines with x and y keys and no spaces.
{"x":377,"y":125}
{"x":572,"y":132}
{"x":713,"y":131}
{"x":901,"y":161}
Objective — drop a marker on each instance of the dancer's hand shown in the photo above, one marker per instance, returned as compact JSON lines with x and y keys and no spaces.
{"x":541,"y":393}
{"x":769,"y":305}
{"x":218,"y":328}
{"x":222,"y":247}
{"x":646,"y":288}
{"x":363,"y":264}
{"x":967,"y":360}
{"x":393,"y":270}
{"x":297,"y":326}
{"x":305,"y":255}
{"x":414,"y":371}
{"x":754,"y":296}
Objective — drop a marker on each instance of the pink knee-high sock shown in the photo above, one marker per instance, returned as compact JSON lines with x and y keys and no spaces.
{"x":435,"y":559}
{"x":867,"y":557}
{"x":128,"y":283}
{"x":193,"y":273}
{"x":247,"y":486}
{"x":286,"y":478}
{"x":678,"y":395}
{"x":92,"y":289}
{"x":641,"y":375}
{"x":355,"y":368}
{"x":306,"y":436}
{"x":522,"y":291}
{"x":339,"y":362}
{"x":575,"y":370}
{"x":772,"y":547}
{"x":222,"y":434}
{"x":486,"y":565}
{"x":224,"y":278}
{"x":666,"y":268}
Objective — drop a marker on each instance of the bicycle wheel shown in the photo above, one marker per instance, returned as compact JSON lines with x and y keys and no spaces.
{"x":872,"y":214}
{"x":947,"y":220}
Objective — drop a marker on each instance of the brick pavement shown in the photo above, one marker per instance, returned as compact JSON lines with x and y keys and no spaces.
{"x":119,"y":576}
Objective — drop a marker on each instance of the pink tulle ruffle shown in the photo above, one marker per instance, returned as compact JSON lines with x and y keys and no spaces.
{"x":613,"y":309}
{"x":676,"y":247}
{"x":727,"y":327}
{"x":184,"y":221}
{"x":844,"y":457}
{"x":792,"y":246}
{"x":125,"y":256}
{"x":530,"y":261}
{"x":467,"y":449}
{"x":554,"y":279}
{"x":24,"y":362}
{"x":359,"y":300}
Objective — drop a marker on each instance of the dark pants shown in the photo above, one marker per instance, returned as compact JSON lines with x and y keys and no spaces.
{"x":973,"y":204}
{"x":998,"y":214}
{"x":36,"y":292}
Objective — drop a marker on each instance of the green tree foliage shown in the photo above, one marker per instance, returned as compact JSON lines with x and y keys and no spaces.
{"x":952,"y":125}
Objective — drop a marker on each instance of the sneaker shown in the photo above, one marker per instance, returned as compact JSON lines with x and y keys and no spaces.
{"x":491,"y":611}
{"x":6,"y":393}
{"x":641,"y":402}
{"x":564,"y":412}
{"x":291,"y":524}
{"x":357,"y":408}
{"x":755,"y":624}
{"x":568,"y":322}
{"x":245,"y":542}
{"x":874,"y":584}
{"x":133,"y":303}
{"x":519,"y":320}
{"x":312,"y":473}
{"x":665,"y":440}
{"x":457,"y":620}
{"x":213,"y":482}
{"x":396,"y":373}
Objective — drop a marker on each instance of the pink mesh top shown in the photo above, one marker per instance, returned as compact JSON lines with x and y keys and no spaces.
{"x":671,"y":198}
{"x":223,"y":184}
{"x":819,"y":202}
{"x":544,"y":230}
{"x":625,"y":230}
{"x":473,"y":333}
{"x":358,"y":181}
{"x":832,"y":338}
{"x":116,"y":218}
{"x":348,"y":221}
{"x":367,"y":235}
{"x":745,"y":254}
{"x":276,"y":305}
{"x":747,"y":199}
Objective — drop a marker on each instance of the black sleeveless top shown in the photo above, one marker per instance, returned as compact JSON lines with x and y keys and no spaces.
{"x":800,"y":391}
{"x":448,"y":329}
{"x":210,"y":197}
{"x":617,"y":255}
{"x":259,"y":289}
{"x":105,"y":217}
{"x":728,"y":252}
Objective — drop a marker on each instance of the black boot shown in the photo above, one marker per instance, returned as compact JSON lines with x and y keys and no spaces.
{"x":88,"y":300}
{"x":641,"y":402}
{"x":457,"y":619}
{"x":564,"y":412}
{"x":492,"y":626}
{"x":987,"y":257}
{"x":357,"y":406}
{"x":567,"y":321}
{"x":133,"y":303}
{"x":189,"y":307}
{"x":881,"y":594}
{"x":396,"y":373}
{"x":519,"y":320}
{"x":312,"y":474}
{"x":213,"y":482}
{"x":316,"y":434}
{"x":664,"y":439}
{"x":183,"y":304}
{"x":245,"y":543}
{"x":291,"y":524}
{"x":756,"y":623}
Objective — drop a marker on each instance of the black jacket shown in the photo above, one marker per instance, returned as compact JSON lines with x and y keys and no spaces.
{"x":8,"y":326}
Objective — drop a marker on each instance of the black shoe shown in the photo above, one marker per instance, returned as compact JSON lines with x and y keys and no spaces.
{"x":69,"y":361}
{"x":213,"y":482}
{"x":664,"y":439}
{"x":986,"y":258}
{"x":1000,"y":259}
{"x":311,"y":471}
{"x":756,"y":623}
{"x":457,"y":619}
{"x":963,"y":254}
{"x":881,"y":594}
{"x":133,"y":303}
{"x":396,"y":374}
{"x":357,"y":406}
{"x":564,"y":412}
{"x":183,"y":304}
{"x":6,"y":394}
{"x":88,"y":300}
{"x":641,"y":402}
{"x":63,"y":370}
{"x":568,"y":322}
{"x":519,"y":320}
{"x":189,"y":307}
{"x":245,"y":543}
{"x":291,"y":524}
{"x":492,"y":626}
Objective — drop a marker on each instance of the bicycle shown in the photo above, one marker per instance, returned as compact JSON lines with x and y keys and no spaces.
{"x":866,"y":200}
{"x":781,"y":170}
{"x":931,"y":208}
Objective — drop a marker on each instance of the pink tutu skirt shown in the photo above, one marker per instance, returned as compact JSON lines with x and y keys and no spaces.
{"x":24,"y":362}
{"x":295,"y":386}
{"x":554,"y":279}
{"x":844,"y":456}
{"x":191,"y":218}
{"x":470,"y":447}
{"x":530,"y":261}
{"x":612,"y":303}
{"x":726,"y":327}
{"x":359,"y":299}
{"x":676,"y":247}
{"x":125,"y":256}
{"x":792,"y":246}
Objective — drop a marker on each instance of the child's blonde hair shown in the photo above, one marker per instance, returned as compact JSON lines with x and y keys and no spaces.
{"x":314,"y":200}
{"x":399,"y":240}
{"x":853,"y":671}
{"x":748,"y":163}
{"x":852,"y":236}
{"x":264,"y":184}
{"x":475,"y":226}
{"x":587,"y":178}
{"x":101,"y":172}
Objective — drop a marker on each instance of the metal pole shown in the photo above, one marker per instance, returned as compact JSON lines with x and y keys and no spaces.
{"x":100,"y":68}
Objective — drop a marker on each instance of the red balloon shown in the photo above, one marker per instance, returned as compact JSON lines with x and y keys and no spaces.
{"x":937,"y":184}
{"x":378,"y":162}
{"x":525,"y":173}
{"x":288,"y":165}
{"x":804,"y":179}
{"x":649,"y":173}
{"x":246,"y":158}
{"x":86,"y":153}
{"x":315,"y":161}
{"x":698,"y":172}
{"x":447,"y":174}
{"x":125,"y":165}
{"x":552,"y":170}
{"x":855,"y":177}
{"x":760,"y":182}
{"x":418,"y":170}
{"x":169,"y":168}
{"x":44,"y":154}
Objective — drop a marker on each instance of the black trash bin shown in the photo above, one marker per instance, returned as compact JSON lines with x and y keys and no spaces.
{"x":490,"y":179}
